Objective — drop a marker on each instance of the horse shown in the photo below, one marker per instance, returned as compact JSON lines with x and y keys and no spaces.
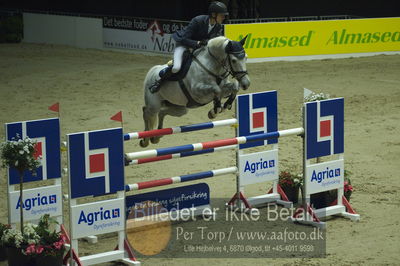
{"x":206,"y":81}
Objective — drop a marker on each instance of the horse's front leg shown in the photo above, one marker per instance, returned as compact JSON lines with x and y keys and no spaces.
{"x":216,"y":109}
{"x":228,"y":103}
{"x":230,"y":89}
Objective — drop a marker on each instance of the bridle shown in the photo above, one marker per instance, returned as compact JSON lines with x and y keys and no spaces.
{"x":229,"y":70}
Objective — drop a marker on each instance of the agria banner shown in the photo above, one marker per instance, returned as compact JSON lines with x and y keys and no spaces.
{"x":318,"y":37}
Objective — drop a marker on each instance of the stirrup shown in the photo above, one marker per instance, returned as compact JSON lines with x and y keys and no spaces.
{"x":155,"y":87}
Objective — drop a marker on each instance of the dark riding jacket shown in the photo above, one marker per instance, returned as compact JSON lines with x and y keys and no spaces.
{"x":197,"y":30}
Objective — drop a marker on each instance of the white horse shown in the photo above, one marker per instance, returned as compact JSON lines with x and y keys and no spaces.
{"x":206,"y":81}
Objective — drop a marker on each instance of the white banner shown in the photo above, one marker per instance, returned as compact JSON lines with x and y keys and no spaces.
{"x":138,"y":40}
{"x":258,"y":167}
{"x":97,"y":218}
{"x":324,"y":176}
{"x":36,"y":202}
{"x":140,"y":34}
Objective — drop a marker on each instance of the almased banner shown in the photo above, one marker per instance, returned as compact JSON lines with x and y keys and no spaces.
{"x":318,"y":37}
{"x":140,"y":34}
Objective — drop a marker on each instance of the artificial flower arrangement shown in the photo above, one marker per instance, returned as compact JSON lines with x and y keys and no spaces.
{"x":312,"y":97}
{"x":3,"y":253}
{"x":347,"y":189}
{"x":50,"y":242}
{"x":290,"y":183}
{"x":20,"y":154}
{"x":32,"y":244}
{"x":38,"y":243}
{"x":287,"y":179}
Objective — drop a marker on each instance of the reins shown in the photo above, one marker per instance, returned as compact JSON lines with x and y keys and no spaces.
{"x":228,"y":70}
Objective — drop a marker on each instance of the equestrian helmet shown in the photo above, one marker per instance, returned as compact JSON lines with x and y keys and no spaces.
{"x":218,"y":7}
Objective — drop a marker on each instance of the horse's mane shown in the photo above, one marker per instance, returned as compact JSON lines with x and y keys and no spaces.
{"x":217,"y":42}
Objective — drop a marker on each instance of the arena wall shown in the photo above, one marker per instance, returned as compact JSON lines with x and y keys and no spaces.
{"x":300,"y":40}
{"x":65,"y":30}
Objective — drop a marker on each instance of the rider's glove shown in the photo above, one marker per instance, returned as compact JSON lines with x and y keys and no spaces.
{"x":201,"y":43}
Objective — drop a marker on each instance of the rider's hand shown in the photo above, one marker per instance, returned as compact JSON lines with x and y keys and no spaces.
{"x":203,"y":42}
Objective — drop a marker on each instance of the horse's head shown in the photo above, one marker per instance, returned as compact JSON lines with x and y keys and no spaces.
{"x":231,"y":57}
{"x":237,"y":61}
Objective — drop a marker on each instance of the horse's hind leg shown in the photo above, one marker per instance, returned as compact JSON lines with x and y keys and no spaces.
{"x":149,"y":118}
{"x":177,"y":111}
{"x":161,"y":116}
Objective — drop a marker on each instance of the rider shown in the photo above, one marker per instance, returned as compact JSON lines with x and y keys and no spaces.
{"x":196,"y":34}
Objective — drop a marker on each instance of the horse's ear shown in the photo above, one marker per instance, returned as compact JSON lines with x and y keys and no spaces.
{"x":243,"y":41}
{"x":228,"y":47}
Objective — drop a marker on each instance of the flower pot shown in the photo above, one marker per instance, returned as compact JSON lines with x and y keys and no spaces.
{"x":17,"y":258}
{"x":319,"y":200}
{"x":3,"y":253}
{"x":292,"y":193}
{"x":49,"y":260}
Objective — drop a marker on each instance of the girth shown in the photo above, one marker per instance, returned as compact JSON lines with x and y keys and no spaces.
{"x":191,"y":102}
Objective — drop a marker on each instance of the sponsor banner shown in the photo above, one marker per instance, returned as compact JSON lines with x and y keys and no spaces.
{"x":46,"y":133}
{"x":97,"y":218}
{"x":140,"y":34}
{"x":36,"y":202}
{"x":317,"y":37}
{"x":324,"y":176}
{"x":167,"y":200}
{"x":96,"y":162}
{"x":258,"y":167}
{"x":324,"y":128}
{"x":257,"y":113}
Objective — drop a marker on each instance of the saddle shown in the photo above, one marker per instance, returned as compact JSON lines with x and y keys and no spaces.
{"x":187,"y":59}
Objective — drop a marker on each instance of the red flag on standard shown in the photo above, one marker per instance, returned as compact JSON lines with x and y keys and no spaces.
{"x":117,"y":116}
{"x":55,"y":107}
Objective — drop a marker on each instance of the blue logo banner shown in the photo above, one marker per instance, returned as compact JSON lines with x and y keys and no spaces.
{"x":96,"y":162}
{"x":324,"y":128}
{"x":257,"y":113}
{"x":46,"y":132}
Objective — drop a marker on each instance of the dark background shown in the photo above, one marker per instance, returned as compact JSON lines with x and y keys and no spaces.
{"x":186,"y":9}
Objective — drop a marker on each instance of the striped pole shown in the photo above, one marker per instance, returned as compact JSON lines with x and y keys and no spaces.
{"x":181,"y":155}
{"x":180,"y":179}
{"x":213,"y":144}
{"x":180,"y":129}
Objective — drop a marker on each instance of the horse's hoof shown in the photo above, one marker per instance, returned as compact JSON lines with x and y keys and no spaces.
{"x":126,"y":160}
{"x":211,"y":114}
{"x":155,"y":140}
{"x":144,"y":143}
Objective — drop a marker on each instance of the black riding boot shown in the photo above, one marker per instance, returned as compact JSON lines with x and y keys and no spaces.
{"x":164,"y":75}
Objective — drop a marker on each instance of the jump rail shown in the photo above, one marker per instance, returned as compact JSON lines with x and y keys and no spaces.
{"x":213,"y":144}
{"x":181,"y":155}
{"x":179,"y":129}
{"x":180,"y":179}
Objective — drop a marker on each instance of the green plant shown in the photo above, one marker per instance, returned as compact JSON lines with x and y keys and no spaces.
{"x":15,"y":238}
{"x":51,"y":241}
{"x":316,"y":97}
{"x":287,"y":179}
{"x":347,"y":188}
{"x":20,"y":154}
{"x":11,"y":29}
{"x":3,"y":228}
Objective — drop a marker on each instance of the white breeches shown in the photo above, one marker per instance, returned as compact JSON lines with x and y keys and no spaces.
{"x":178,"y":58}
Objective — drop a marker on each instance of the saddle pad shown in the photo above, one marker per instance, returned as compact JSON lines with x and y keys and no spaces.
{"x":186,"y":62}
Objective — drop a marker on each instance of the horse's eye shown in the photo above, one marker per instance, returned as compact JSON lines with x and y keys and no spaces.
{"x":234,"y":60}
